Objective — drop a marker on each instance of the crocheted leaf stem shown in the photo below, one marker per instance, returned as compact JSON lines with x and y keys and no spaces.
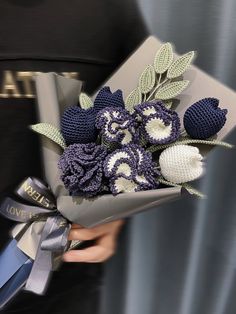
{"x":50,"y":132}
{"x":155,"y":148}
{"x":158,"y":81}
{"x":186,"y":186}
{"x":142,"y":141}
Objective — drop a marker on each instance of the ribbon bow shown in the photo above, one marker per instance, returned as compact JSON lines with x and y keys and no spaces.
{"x":53,"y":238}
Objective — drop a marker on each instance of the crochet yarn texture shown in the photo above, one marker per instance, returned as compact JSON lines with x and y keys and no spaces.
{"x":130,"y":169}
{"x":105,"y":98}
{"x":78,"y":125}
{"x":81,"y":168}
{"x":116,"y":125}
{"x":204,"y":118}
{"x":159,"y":124}
{"x":181,"y":163}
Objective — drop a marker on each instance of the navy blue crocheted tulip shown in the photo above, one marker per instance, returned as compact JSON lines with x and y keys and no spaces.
{"x":204,"y":118}
{"x":78,"y":125}
{"x":105,"y":98}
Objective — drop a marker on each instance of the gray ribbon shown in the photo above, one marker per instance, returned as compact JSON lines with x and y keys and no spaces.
{"x":53,"y":239}
{"x":36,"y":192}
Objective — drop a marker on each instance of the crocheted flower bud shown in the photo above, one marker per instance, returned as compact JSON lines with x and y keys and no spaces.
{"x":130,"y":169}
{"x":105,"y":98}
{"x":81,"y":166}
{"x":181,"y":163}
{"x":78,"y":125}
{"x":159,"y":125}
{"x":116,"y":125}
{"x":204,"y":118}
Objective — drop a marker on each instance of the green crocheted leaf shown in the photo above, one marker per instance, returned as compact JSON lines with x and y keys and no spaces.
{"x":171,"y":90}
{"x":142,"y":140}
{"x":85,"y":101}
{"x":134,"y":98}
{"x":163,"y":58}
{"x":147,"y":79}
{"x":50,"y":132}
{"x":179,"y":66}
{"x":110,"y":146}
{"x":168,"y":103}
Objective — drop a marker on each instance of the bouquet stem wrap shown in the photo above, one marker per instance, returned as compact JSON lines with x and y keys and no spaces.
{"x":54,"y":231}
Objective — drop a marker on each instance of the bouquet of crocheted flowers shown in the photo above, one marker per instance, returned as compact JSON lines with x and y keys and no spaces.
{"x":116,"y":146}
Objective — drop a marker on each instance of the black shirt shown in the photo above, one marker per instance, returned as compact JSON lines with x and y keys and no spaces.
{"x":80,"y":39}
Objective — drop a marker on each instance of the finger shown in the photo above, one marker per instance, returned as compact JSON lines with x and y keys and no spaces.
{"x":73,"y":226}
{"x":84,"y":234}
{"x":93,"y":233}
{"x":104,"y":249}
{"x":93,"y":254}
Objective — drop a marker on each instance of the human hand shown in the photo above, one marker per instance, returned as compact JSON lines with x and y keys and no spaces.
{"x":105,"y":244}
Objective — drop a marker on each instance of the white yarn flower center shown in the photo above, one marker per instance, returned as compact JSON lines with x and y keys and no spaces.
{"x":127,"y":138}
{"x":149,"y":111}
{"x":157,"y":129}
{"x":115,"y":127}
{"x":116,"y":157}
{"x":141,"y":179}
{"x":125,"y":185}
{"x":123,"y":168}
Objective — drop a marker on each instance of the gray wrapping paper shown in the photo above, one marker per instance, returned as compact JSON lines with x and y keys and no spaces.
{"x":55,"y":93}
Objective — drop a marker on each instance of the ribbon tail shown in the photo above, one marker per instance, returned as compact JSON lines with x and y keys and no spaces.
{"x":53,"y":239}
{"x":57,"y":241}
{"x":41,"y":270}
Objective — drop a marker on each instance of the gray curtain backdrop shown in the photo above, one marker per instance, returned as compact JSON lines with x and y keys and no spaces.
{"x":181,"y":258}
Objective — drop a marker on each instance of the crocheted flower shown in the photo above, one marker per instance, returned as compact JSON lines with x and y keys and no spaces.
{"x":78,"y":125}
{"x":105,"y":98}
{"x":159,"y":125}
{"x":181,"y":163}
{"x":130,"y":169}
{"x":204,"y":118}
{"x":82,"y":168}
{"x":116,"y":125}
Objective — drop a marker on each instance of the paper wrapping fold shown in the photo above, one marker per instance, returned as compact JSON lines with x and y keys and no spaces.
{"x":55,"y":93}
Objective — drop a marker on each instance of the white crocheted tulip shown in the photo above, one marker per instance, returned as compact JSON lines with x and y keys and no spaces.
{"x":181,"y":163}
